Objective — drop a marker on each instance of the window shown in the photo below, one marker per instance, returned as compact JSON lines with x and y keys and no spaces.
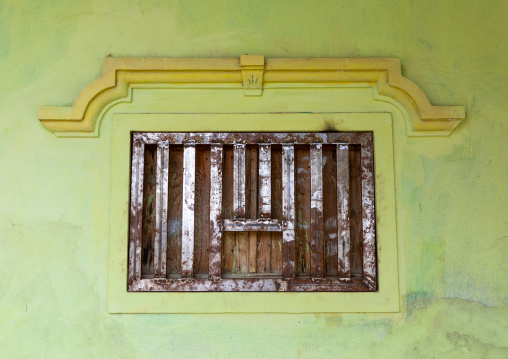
{"x":252,"y":212}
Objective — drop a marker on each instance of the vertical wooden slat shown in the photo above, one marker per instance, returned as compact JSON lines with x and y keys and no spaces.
{"x":229,"y":242}
{"x":276,"y":238}
{"x":368,"y":214}
{"x":189,"y":173}
{"x":175,"y":199}
{"x":215,"y":211}
{"x":136,"y":215}
{"x":288,"y":211}
{"x":343,"y":225}
{"x":355,"y":210}
{"x":265,"y":190}
{"x":253,"y":204}
{"x":202,"y":210}
{"x":316,"y":207}
{"x":161,"y":210}
{"x":330,"y":209}
{"x":149,"y":219}
{"x":239,"y":181}
{"x":302,"y":210}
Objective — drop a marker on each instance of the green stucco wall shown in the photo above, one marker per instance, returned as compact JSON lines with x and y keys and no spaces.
{"x":451,"y":192}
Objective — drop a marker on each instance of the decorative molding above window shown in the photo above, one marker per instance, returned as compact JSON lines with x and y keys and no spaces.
{"x":252,"y":74}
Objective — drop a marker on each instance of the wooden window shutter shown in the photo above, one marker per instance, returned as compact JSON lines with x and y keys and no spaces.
{"x":252,"y":212}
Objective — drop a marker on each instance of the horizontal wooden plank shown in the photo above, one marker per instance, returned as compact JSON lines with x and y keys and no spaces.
{"x":251,"y":285}
{"x":251,"y":225}
{"x":255,"y":137}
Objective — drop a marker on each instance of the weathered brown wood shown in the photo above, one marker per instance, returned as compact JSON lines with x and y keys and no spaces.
{"x":263,"y":252}
{"x":276,"y":186}
{"x":316,"y":209}
{"x":239,"y":181}
{"x":330,"y":209}
{"x":303,"y":212}
{"x":288,"y":211}
{"x":265,"y":190}
{"x":189,"y":178}
{"x":368,"y":215}
{"x":343,"y":218}
{"x":136,"y":213}
{"x":355,"y":193}
{"x":242,"y":254}
{"x":175,"y":200}
{"x":161,"y":210}
{"x":202,"y":210}
{"x":252,"y":225}
{"x":149,"y":218}
{"x":251,"y":200}
{"x":229,"y":241}
{"x":215,"y":211}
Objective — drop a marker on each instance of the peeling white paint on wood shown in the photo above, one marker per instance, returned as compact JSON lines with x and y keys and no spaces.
{"x":251,"y":225}
{"x":265,"y":180}
{"x":343,"y":220}
{"x":136,"y":217}
{"x":368,"y":214}
{"x":239,"y":181}
{"x":288,"y":210}
{"x":216,"y":153}
{"x":316,"y":206}
{"x":161,"y":210}
{"x":189,"y":180}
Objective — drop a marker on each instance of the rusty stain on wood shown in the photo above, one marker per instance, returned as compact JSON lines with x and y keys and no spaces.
{"x":189,"y":178}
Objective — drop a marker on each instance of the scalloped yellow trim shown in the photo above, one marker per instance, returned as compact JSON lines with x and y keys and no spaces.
{"x":251,"y":72}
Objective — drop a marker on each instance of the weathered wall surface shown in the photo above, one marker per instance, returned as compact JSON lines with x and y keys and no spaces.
{"x":451,"y":195}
